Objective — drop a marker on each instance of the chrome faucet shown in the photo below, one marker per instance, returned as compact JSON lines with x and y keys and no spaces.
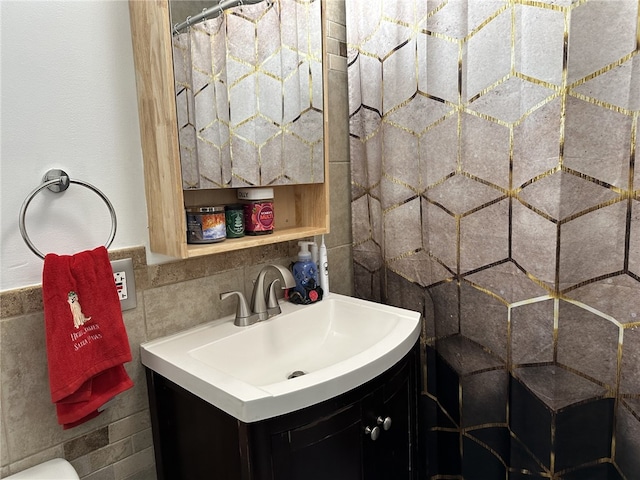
{"x":266,"y":304}
{"x":263,"y":305}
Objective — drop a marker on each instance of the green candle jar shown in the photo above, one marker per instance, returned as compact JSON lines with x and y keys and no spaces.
{"x":234,"y":217}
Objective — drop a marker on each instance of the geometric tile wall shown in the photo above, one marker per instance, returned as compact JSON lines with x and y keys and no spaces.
{"x":495,"y":189}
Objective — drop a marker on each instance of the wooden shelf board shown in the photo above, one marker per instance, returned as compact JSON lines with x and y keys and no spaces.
{"x":248,"y":241}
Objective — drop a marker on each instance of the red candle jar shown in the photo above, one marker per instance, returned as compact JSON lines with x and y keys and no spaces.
{"x":258,"y":210}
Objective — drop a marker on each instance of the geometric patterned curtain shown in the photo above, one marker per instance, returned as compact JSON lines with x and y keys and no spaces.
{"x":249,"y":96}
{"x":495,"y":188}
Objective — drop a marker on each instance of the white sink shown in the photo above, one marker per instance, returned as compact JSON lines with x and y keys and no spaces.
{"x":339,"y":344}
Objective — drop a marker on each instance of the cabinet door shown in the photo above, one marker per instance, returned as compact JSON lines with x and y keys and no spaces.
{"x":192,"y":440}
{"x":390,"y":455}
{"x":250,"y":116}
{"x":329,"y":448}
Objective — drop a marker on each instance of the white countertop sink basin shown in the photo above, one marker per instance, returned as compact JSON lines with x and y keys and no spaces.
{"x":339,"y":343}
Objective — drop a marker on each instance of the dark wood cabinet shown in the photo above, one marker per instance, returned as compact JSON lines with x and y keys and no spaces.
{"x":390,"y":456}
{"x":344,"y":438}
{"x":329,"y":447}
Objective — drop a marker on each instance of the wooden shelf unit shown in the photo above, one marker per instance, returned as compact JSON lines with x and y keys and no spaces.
{"x":300,"y":210}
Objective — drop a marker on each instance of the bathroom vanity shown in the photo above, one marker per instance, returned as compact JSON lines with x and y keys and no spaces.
{"x":321,"y":391}
{"x":341,"y":438}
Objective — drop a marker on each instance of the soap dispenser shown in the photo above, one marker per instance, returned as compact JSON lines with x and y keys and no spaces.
{"x":305,"y":270}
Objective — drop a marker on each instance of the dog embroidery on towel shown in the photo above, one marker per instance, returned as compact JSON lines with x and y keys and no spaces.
{"x":76,"y":310}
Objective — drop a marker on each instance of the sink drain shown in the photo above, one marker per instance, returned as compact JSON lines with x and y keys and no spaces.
{"x":297,"y":373}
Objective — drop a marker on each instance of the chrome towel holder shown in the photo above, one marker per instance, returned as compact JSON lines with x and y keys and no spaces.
{"x":57,"y":181}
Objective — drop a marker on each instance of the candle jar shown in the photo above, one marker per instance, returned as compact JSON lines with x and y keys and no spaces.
{"x":258,"y":211}
{"x":205,"y":224}
{"x":234,"y":216}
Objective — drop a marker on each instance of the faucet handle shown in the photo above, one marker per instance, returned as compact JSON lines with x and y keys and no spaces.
{"x":244,"y":316}
{"x":273,"y":307}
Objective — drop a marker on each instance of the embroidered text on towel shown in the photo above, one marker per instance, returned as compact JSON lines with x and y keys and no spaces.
{"x":94,"y":335}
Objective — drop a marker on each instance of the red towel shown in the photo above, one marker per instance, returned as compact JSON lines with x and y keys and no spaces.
{"x":87,"y":343}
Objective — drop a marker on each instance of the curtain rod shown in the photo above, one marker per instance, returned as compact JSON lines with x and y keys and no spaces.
{"x":212,"y":12}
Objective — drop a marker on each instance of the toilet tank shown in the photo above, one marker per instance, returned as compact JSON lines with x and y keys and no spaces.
{"x":56,"y":469}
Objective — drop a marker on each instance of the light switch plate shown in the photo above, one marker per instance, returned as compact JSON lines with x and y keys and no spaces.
{"x":125,"y":282}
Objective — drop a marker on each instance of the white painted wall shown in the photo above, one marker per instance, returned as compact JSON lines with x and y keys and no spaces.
{"x":68,"y":101}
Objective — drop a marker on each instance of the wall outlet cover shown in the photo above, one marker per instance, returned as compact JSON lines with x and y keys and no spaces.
{"x":125,"y":282}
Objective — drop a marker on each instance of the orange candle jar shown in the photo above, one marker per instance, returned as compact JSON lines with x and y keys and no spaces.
{"x":206,"y":224}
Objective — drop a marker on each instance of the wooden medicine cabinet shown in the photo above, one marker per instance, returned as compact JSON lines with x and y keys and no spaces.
{"x":301,"y":210}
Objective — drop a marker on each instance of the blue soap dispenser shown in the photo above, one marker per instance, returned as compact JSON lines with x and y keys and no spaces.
{"x":305,"y":270}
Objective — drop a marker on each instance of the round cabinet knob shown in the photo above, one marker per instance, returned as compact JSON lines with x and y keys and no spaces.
{"x":373,"y":432}
{"x":385,"y":422}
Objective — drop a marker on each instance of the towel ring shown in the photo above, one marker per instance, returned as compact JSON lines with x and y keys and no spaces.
{"x":58,"y":181}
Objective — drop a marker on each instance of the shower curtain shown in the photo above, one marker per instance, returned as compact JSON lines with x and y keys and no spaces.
{"x":495,"y":189}
{"x":249,"y":96}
